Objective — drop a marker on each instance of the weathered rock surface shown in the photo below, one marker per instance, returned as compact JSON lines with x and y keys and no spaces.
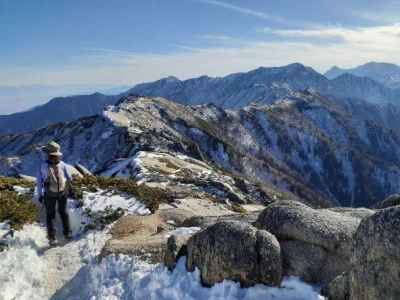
{"x":316,"y":243}
{"x":392,"y":200}
{"x":145,"y":236}
{"x":83,"y":170}
{"x":142,"y":236}
{"x":359,"y":213}
{"x":205,"y":221}
{"x":175,"y":216}
{"x":337,"y":289}
{"x":308,"y":261}
{"x":26,"y":177}
{"x":236,"y":251}
{"x":136,"y":225}
{"x":375,"y":272}
{"x":176,"y":248}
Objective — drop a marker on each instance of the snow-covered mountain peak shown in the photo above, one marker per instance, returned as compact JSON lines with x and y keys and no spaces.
{"x":171,"y":79}
{"x":292,"y":69}
{"x":385,"y":73}
{"x":265,"y":85}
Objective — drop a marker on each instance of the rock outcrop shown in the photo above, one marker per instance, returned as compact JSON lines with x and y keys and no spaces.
{"x":236,"y":251}
{"x":337,"y":289}
{"x":316,"y":243}
{"x":205,"y":221}
{"x":141,"y":236}
{"x":392,"y":200}
{"x":176,"y":248}
{"x":376,"y":257}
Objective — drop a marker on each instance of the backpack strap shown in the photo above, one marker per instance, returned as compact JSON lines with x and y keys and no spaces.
{"x":66,"y":174}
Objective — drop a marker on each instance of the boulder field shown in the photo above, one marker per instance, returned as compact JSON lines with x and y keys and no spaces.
{"x":351,"y":253}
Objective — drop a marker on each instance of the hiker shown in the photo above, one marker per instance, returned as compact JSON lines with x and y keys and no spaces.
{"x":52,"y":188}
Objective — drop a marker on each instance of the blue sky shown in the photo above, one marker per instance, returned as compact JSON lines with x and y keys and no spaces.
{"x":106,"y":43}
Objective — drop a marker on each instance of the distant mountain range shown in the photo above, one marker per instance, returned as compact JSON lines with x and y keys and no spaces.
{"x":61,"y":109}
{"x":15,"y":99}
{"x":384,"y":73}
{"x":262,"y":85}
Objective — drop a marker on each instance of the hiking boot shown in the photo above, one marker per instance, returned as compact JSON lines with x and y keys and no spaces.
{"x":68,"y":237}
{"x":52,"y":243}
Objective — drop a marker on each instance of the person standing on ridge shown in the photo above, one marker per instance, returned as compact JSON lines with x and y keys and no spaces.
{"x":52,"y":189}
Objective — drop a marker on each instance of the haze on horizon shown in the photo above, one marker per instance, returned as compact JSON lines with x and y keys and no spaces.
{"x":82,"y":46}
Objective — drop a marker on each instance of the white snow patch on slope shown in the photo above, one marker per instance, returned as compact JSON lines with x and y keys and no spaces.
{"x":102,"y":200}
{"x":21,"y":190}
{"x":120,"y":168}
{"x":21,"y":269}
{"x":29,"y":271}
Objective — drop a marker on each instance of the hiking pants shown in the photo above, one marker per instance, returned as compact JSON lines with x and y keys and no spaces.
{"x":50,"y":201}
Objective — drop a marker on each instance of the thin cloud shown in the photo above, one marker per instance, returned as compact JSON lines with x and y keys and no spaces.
{"x":384,"y":38}
{"x":107,"y":52}
{"x":216,"y":37}
{"x":244,"y":10}
{"x":118,"y":67}
{"x":379,"y":12}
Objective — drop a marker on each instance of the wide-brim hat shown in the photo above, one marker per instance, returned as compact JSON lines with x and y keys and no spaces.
{"x":53,"y":149}
{"x":55,"y":153}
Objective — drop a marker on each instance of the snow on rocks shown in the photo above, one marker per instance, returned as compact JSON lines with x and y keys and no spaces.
{"x":193,"y":184}
{"x":21,"y":190}
{"x":102,"y":200}
{"x":4,"y":228}
{"x":183,"y":231}
{"x":125,"y":277}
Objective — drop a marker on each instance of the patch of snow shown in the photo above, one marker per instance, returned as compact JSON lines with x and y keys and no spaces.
{"x":183,"y":231}
{"x":21,"y":190}
{"x":197,"y":133}
{"x":102,"y":200}
{"x":284,"y":103}
{"x":4,"y":228}
{"x":28,"y":271}
{"x":125,"y":277}
{"x":264,"y":122}
{"x":328,"y":124}
{"x":119,"y":168}
{"x":21,"y":268}
{"x":116,"y":118}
